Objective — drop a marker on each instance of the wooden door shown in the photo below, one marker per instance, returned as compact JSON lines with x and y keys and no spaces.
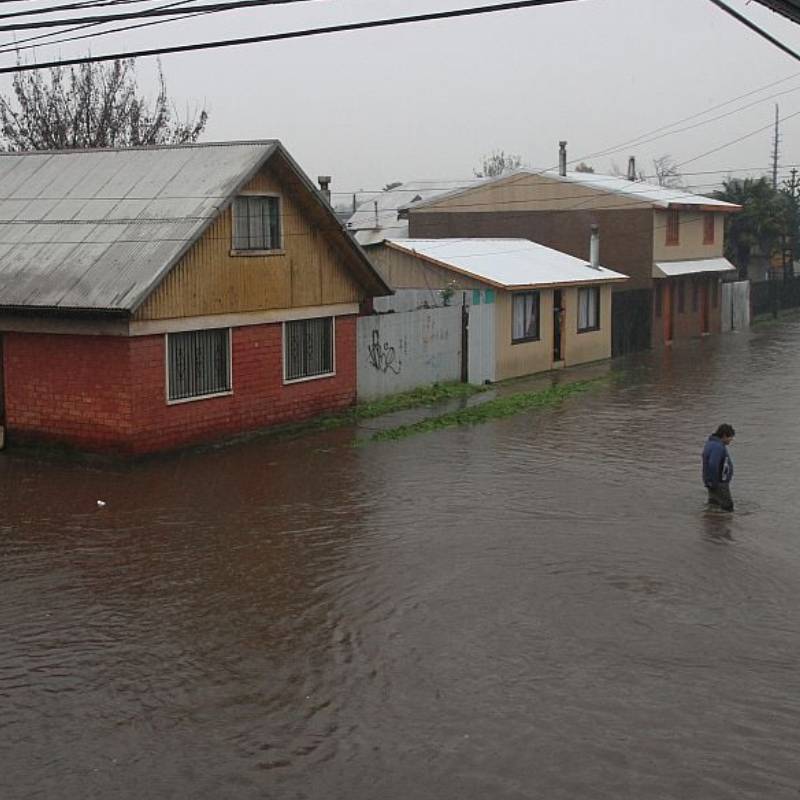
{"x":558,"y":325}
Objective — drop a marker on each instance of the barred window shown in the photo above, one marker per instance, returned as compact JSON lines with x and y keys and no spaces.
{"x":256,"y":223}
{"x":588,"y":309}
{"x":198,"y":364}
{"x":679,"y":285}
{"x":525,"y":317}
{"x":308,"y":348}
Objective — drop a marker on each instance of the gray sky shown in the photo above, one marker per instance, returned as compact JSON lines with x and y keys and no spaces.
{"x":429,"y":100}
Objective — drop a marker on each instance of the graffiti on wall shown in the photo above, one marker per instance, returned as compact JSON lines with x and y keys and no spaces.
{"x":382,"y":356}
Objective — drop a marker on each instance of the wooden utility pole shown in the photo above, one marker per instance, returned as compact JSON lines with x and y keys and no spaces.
{"x":775,"y":150}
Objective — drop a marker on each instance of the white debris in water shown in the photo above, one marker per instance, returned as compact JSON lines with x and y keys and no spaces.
{"x":101,"y":503}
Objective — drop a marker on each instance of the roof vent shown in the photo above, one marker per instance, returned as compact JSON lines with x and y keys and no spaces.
{"x":632,"y":168}
{"x":562,"y":158}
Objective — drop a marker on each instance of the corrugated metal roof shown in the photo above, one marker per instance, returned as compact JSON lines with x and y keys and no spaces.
{"x":96,"y":229}
{"x":674,"y":269}
{"x":371,"y":224}
{"x":616,"y":186}
{"x":508,"y":263}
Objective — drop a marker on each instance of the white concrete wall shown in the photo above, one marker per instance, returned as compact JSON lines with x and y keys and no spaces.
{"x":403,"y":351}
{"x":735,"y":306}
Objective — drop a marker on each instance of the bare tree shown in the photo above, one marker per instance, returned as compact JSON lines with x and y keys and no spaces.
{"x":666,"y":171}
{"x":91,"y":105}
{"x":497,"y":163}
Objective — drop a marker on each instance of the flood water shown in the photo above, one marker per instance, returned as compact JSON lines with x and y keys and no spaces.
{"x":538,"y":607}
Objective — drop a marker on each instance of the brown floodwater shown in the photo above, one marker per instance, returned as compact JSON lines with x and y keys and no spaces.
{"x":536,"y":607}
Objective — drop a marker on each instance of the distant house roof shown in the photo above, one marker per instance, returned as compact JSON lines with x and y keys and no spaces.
{"x":657,"y":196}
{"x":674,"y":269}
{"x":96,"y":230}
{"x":377,"y":217}
{"x":507,"y":263}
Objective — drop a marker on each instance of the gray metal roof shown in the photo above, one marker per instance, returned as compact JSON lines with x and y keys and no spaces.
{"x":97,"y":229}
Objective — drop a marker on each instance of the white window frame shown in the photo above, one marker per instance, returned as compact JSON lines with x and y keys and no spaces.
{"x":238,"y":251}
{"x":289,"y":381}
{"x":181,"y":400}
{"x":596,"y":290}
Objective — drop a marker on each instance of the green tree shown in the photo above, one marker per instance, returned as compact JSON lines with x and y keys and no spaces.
{"x":497,"y":163}
{"x":761,"y":223}
{"x":90,"y":105}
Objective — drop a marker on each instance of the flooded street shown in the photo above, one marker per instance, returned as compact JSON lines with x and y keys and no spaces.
{"x":537,"y":607}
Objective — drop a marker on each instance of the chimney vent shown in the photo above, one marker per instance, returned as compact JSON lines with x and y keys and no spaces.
{"x":562,"y":158}
{"x":632,"y":168}
{"x":324,"y":186}
{"x":594,"y":247}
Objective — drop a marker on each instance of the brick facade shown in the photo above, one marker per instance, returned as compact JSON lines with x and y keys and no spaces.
{"x":108,"y":393}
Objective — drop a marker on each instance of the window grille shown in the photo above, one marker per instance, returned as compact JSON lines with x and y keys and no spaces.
{"x":695,"y":294}
{"x":681,"y":299}
{"x":525,"y":317}
{"x":256,"y":223}
{"x":588,"y":308}
{"x":308,"y":348}
{"x":198,"y":363}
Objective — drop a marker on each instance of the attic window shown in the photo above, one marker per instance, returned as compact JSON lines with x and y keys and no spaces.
{"x":256,"y":222}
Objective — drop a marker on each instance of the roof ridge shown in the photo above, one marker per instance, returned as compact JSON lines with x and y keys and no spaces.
{"x":145,"y":147}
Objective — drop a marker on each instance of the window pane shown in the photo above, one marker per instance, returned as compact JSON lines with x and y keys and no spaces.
{"x":308,"y":348}
{"x":198,"y":363}
{"x":240,"y":235}
{"x":518,"y":317}
{"x":256,"y":223}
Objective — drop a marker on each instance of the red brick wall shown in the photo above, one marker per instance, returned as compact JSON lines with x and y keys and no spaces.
{"x":109,"y":393}
{"x":72,"y":389}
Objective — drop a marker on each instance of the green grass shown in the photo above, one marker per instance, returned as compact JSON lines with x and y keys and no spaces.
{"x":422,"y":397}
{"x":491,"y":409}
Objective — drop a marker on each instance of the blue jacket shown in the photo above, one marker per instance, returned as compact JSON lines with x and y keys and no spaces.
{"x":717,"y":464}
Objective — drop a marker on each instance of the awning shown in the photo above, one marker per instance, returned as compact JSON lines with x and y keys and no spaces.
{"x":676,"y":269}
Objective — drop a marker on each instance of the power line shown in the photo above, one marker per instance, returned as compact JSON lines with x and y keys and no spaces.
{"x":13,"y":47}
{"x":161,"y":11}
{"x":68,"y":7}
{"x":753,"y":27}
{"x":297,"y":34}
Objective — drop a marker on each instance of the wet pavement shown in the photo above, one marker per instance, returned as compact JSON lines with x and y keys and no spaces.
{"x":536,"y":607}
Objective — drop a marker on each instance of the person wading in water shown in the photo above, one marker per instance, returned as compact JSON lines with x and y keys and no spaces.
{"x":718,"y":468}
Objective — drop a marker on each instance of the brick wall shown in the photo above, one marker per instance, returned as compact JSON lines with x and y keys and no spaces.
{"x":73,"y":389}
{"x":109,"y":393}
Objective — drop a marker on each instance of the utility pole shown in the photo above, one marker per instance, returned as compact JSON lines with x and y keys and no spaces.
{"x":775,"y":150}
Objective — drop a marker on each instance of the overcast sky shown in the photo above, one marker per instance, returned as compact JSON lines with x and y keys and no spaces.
{"x":429,"y":100}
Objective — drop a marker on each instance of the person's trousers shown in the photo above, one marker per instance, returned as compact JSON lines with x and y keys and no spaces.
{"x":720,"y":496}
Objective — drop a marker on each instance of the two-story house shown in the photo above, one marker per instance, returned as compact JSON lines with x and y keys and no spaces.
{"x":157,"y":296}
{"x":668,"y":241}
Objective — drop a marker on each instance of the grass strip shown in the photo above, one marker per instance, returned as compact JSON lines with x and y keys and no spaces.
{"x":422,"y":397}
{"x":491,"y":409}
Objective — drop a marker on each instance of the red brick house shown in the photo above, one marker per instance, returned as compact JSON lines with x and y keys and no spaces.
{"x":156,"y":297}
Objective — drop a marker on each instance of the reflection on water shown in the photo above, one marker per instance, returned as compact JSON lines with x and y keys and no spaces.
{"x":541,"y":606}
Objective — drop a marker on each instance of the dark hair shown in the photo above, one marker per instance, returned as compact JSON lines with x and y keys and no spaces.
{"x":725,"y":430}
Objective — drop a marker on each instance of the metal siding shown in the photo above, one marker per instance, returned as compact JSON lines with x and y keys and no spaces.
{"x":70,"y":217}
